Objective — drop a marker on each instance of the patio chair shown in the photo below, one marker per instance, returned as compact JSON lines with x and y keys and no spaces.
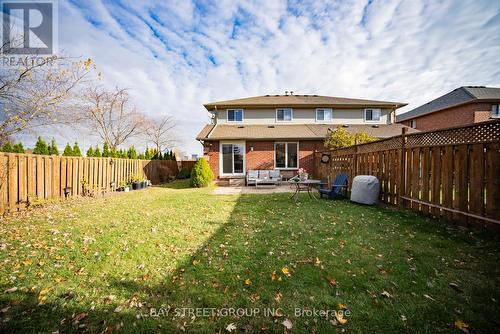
{"x":338,"y":189}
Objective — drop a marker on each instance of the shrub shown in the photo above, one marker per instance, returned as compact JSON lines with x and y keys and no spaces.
{"x":184,"y":173}
{"x":7,"y":147}
{"x":53,"y":150}
{"x":76,"y":150}
{"x":41,"y":147}
{"x":68,"y":151}
{"x":339,"y":138}
{"x":201,"y":175}
{"x":18,"y":148}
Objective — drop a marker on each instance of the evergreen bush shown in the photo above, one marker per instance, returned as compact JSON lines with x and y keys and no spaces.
{"x":202,"y":174}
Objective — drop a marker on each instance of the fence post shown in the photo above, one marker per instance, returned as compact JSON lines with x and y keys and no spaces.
{"x":402,"y":167}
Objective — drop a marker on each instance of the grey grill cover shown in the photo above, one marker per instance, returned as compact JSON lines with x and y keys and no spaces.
{"x":365,"y":189}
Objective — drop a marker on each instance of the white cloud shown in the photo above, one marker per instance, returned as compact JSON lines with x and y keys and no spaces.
{"x":410,"y":51}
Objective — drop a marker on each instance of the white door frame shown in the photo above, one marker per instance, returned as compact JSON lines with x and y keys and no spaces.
{"x":233,"y":142}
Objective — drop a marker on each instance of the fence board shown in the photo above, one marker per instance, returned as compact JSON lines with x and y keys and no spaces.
{"x":425,"y":179}
{"x":4,"y":199}
{"x":22,"y":177}
{"x":13,"y":178}
{"x":493,"y":180}
{"x":436,"y":179}
{"x":460,"y":182}
{"x":476,"y":189}
{"x":447,"y":179}
{"x":40,"y":174}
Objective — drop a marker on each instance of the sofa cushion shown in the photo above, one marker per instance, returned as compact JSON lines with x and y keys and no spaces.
{"x":263,"y":174}
{"x":274,"y":174}
{"x":253,"y":174}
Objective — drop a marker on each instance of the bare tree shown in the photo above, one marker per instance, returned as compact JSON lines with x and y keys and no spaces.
{"x":35,"y":92}
{"x":160,"y":132}
{"x":112,"y":115}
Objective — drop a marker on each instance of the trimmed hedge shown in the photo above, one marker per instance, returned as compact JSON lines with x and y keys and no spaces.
{"x":202,"y":174}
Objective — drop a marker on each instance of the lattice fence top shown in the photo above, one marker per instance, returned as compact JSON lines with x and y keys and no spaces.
{"x":477,"y":133}
{"x":486,"y":132}
{"x":381,"y":145}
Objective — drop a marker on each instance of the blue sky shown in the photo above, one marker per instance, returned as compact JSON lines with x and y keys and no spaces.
{"x":177,"y":55}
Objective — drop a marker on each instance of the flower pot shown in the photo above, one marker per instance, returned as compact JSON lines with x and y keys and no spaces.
{"x":126,"y":189}
{"x":136,"y":185}
{"x":143,"y":185}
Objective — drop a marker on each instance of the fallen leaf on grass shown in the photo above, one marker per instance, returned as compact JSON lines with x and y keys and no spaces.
{"x":462,"y":326}
{"x":231,"y":327}
{"x":248,"y":281}
{"x":340,"y":318}
{"x":80,"y":271}
{"x":386,"y":294}
{"x":285,"y":271}
{"x":429,"y":297}
{"x":332,"y":281}
{"x":455,"y":287}
{"x":11,"y":290}
{"x":278,"y":297}
{"x":287,"y":323}
{"x":42,"y":296}
{"x":79,"y":317}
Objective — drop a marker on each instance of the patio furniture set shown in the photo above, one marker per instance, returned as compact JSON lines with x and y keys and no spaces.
{"x":337,"y":189}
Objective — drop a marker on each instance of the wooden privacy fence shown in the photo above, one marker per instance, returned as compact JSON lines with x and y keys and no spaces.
{"x":453,"y":173}
{"x":25,"y":177}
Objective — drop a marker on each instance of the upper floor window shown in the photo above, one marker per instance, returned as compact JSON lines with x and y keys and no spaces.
{"x":284,"y":115}
{"x":495,"y":111}
{"x":323,"y":114}
{"x":235,"y":115}
{"x":413,"y":124}
{"x":372,"y":115}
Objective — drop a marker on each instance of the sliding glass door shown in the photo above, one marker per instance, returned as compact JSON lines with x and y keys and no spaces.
{"x":233,"y":158}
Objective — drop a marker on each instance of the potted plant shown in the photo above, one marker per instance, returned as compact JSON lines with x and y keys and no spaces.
{"x":124,"y":186}
{"x":136,"y":183}
{"x":303,"y":175}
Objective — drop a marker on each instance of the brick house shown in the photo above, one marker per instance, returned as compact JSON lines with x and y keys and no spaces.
{"x":283,"y":131}
{"x":462,"y":106}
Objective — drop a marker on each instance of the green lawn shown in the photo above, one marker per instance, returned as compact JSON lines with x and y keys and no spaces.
{"x":107,"y":264}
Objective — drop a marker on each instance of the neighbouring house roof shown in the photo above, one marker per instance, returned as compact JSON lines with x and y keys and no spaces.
{"x":300,"y":101}
{"x":462,"y":95}
{"x":292,"y":131}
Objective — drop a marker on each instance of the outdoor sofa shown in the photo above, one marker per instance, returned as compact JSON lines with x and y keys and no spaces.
{"x":256,"y":177}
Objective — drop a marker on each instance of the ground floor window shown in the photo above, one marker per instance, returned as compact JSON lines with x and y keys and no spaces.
{"x":413,"y":124}
{"x":286,"y":155}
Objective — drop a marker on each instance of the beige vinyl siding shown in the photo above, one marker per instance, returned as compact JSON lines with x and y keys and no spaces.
{"x":305,"y":116}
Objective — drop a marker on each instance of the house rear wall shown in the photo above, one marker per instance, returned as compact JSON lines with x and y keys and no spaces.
{"x":262,"y":156}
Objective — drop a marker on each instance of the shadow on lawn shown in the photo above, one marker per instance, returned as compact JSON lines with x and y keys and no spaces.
{"x":177,"y":184}
{"x":264,"y":234}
